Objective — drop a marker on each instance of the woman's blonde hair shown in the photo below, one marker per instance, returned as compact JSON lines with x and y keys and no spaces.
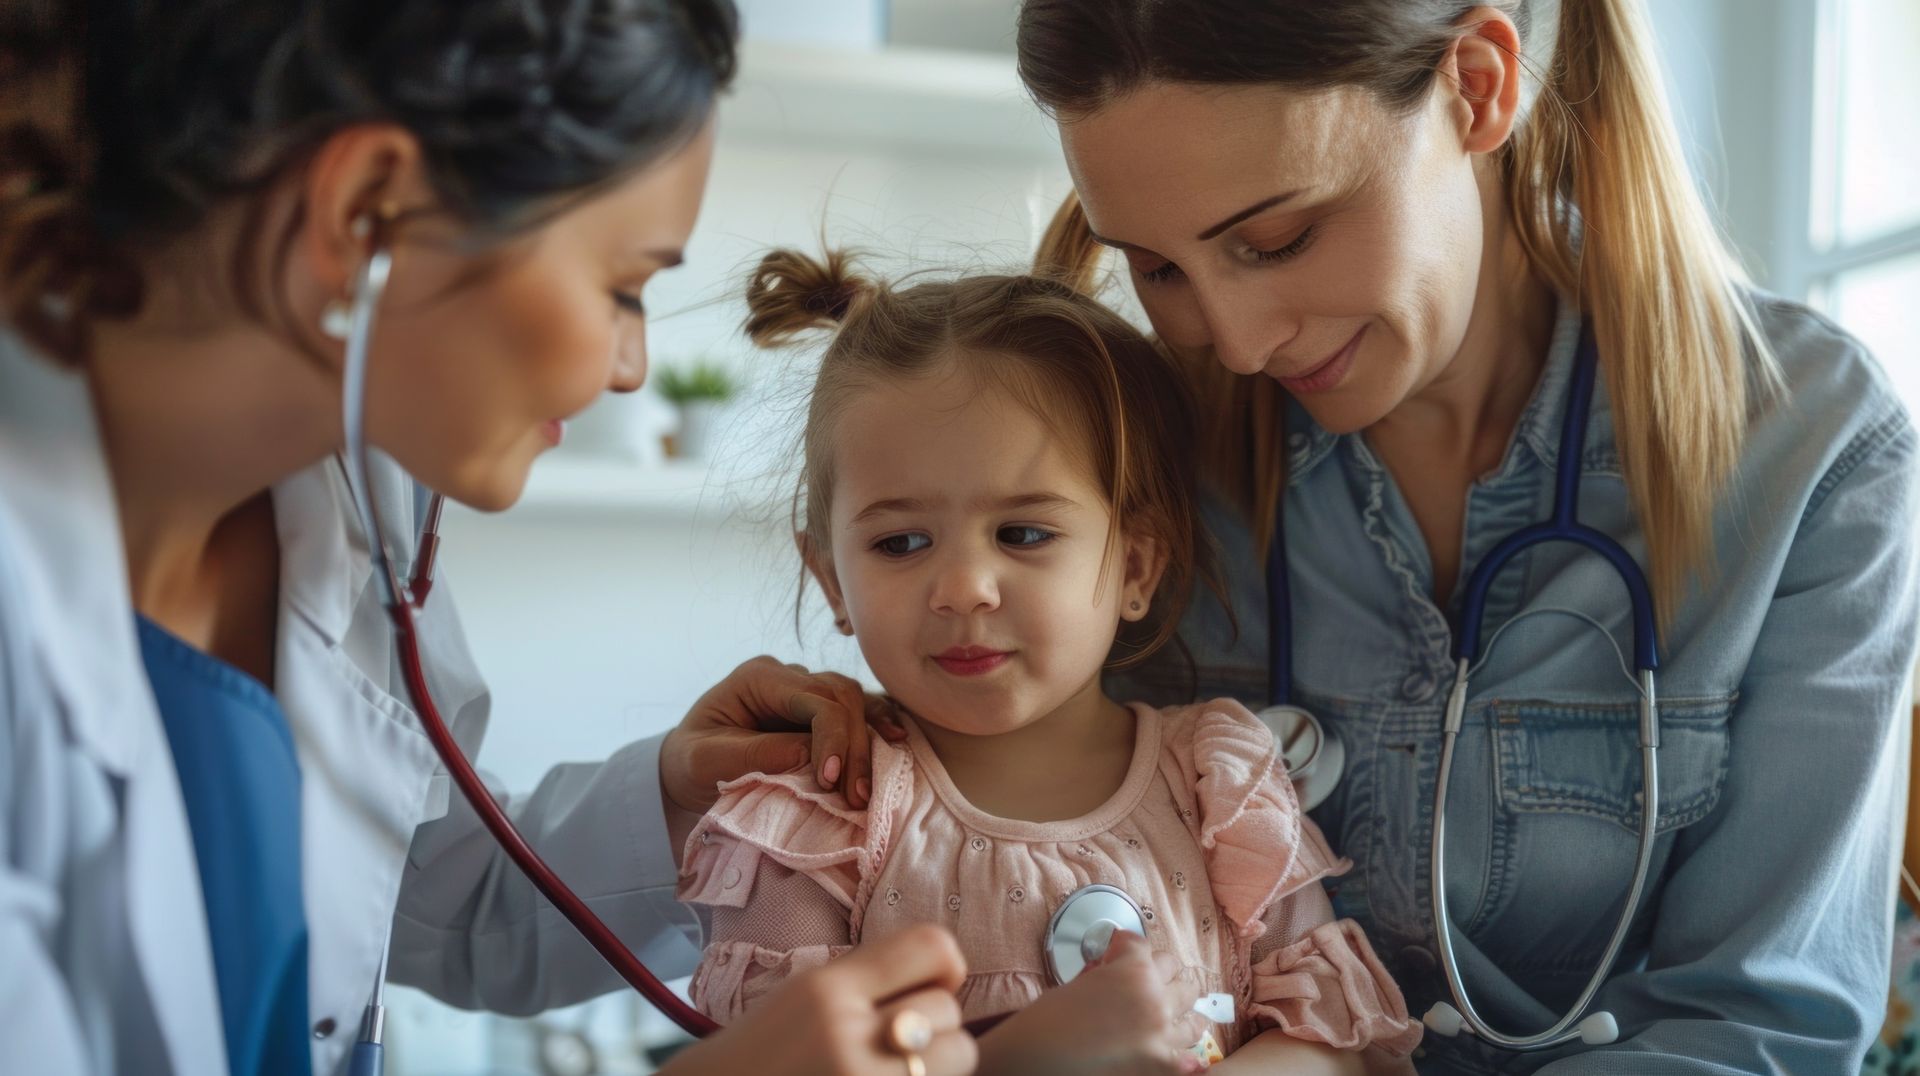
{"x":1596,"y":182}
{"x":1119,"y":404}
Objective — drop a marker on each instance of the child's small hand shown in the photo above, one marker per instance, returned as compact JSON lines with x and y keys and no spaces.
{"x":1123,"y":1015}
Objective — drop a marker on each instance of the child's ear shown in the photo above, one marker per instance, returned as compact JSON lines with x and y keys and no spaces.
{"x":1145,"y":561}
{"x":820,"y":566}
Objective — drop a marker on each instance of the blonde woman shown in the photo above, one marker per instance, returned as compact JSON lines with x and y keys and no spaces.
{"x":1378,"y":229}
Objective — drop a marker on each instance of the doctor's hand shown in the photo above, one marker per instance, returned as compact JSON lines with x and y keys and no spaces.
{"x":835,"y":1019}
{"x":1125,"y":1014}
{"x":769,"y":717}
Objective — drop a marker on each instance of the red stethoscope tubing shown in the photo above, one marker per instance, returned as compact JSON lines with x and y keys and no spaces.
{"x":494,"y":817}
{"x":598,"y":934}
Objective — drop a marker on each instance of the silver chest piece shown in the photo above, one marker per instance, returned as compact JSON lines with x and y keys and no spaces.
{"x":1083,"y":926}
{"x":1314,"y":759}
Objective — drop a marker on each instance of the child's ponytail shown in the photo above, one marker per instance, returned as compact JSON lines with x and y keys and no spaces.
{"x":790,"y":294}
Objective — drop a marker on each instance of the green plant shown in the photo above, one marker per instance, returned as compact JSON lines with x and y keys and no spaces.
{"x":695,"y":381}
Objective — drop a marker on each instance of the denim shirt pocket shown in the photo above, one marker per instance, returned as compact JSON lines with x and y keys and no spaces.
{"x":1584,"y":758}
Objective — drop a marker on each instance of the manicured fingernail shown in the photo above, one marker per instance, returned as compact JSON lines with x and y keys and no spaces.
{"x":831,"y":771}
{"x":863,"y":788}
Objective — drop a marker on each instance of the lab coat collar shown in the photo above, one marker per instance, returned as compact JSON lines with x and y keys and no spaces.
{"x":54,"y":477}
{"x":324,"y":563}
{"x":56,"y":500}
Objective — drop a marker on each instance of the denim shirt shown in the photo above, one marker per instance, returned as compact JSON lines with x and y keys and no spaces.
{"x":1763,"y":940}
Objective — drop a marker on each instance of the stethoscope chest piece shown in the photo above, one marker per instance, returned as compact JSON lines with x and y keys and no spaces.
{"x":1083,"y":925}
{"x":1315,"y":760}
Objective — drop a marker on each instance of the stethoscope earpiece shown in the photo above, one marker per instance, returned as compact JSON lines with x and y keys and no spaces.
{"x":1598,"y":1028}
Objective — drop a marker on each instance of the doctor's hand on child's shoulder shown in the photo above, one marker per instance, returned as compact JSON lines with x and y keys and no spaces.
{"x":1125,"y":1015}
{"x":770,"y":717}
{"x":835,"y":1019}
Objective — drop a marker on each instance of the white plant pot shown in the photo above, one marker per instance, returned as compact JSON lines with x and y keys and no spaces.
{"x":620,"y":426}
{"x":700,"y":428}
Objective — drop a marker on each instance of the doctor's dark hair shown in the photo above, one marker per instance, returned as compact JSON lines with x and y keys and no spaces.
{"x":123,"y":124}
{"x":1122,"y":409}
{"x":1596,"y":184}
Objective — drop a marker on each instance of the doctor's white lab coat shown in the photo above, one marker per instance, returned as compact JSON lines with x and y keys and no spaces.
{"x":105,"y":965}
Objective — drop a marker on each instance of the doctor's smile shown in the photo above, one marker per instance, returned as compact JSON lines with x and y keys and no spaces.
{"x":1296,"y":533}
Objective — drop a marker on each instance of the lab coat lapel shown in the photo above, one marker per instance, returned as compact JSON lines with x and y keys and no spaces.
{"x":77,"y":595}
{"x":368,"y":771}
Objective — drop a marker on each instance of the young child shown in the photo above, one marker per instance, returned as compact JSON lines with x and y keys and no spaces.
{"x":998,"y":507}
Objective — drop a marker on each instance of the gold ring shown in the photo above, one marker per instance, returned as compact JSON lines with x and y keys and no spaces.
{"x":908,"y":1033}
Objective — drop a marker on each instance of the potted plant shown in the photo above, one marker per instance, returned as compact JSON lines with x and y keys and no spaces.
{"x":699,"y":389}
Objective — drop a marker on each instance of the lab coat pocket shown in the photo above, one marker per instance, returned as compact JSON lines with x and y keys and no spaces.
{"x":1585,"y":759}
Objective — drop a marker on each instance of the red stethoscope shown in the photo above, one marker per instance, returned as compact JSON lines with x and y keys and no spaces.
{"x":404,"y":600}
{"x":1076,"y":936}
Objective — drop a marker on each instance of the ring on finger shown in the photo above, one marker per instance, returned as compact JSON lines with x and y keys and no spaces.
{"x":908,"y":1033}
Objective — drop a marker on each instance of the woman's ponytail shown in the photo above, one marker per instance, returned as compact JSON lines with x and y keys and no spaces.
{"x":1606,"y":207}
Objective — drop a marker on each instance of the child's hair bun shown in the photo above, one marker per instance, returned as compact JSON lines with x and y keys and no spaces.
{"x":791,"y":293}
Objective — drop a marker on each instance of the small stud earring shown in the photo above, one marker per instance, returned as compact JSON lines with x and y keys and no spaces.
{"x":1135,"y":607}
{"x":336,"y":319}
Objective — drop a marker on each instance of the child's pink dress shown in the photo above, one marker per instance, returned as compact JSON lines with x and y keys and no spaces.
{"x":1205,"y":834}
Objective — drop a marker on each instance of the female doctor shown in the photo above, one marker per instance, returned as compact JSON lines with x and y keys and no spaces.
{"x":1381,"y":240}
{"x":187,"y":192}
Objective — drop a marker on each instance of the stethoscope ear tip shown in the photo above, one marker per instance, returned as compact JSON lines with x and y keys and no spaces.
{"x":1599,"y":1028}
{"x":1443,"y":1019}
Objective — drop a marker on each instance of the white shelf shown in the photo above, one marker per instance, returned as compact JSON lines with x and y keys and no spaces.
{"x":583,"y":486}
{"x":951,"y":101}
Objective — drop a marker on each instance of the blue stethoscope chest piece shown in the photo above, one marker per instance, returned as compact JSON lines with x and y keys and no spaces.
{"x":1315,"y":759}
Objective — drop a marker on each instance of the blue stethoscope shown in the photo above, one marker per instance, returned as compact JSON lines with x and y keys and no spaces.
{"x":1315,"y":760}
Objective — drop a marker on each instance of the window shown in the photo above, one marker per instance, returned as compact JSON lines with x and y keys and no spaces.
{"x":1859,"y":252}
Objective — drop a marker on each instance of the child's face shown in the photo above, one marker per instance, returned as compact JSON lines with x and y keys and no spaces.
{"x":967,"y":553}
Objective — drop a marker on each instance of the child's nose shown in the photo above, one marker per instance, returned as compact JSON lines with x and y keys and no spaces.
{"x":965,"y":585}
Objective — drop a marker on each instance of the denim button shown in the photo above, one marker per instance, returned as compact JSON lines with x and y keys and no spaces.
{"x":1418,"y":687}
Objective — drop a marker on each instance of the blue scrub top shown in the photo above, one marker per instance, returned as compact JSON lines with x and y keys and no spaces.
{"x":241,"y":781}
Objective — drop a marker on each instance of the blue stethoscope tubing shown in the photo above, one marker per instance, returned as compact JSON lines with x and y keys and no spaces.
{"x":1563,"y":526}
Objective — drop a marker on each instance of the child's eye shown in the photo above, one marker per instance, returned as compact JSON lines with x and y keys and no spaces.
{"x":1026,"y":537}
{"x":901,"y":545}
{"x":629,"y":302}
{"x":1165,"y":272}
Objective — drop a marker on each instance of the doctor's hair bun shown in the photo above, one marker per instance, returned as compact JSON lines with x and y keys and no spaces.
{"x":125,"y":125}
{"x":791,"y":293}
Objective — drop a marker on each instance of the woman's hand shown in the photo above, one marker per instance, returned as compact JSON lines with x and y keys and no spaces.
{"x":767,"y":717}
{"x":835,"y":1019}
{"x":1123,"y":1015}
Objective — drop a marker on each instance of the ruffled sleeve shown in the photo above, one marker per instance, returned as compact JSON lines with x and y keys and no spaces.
{"x":1260,"y":846}
{"x":786,"y":869}
{"x":1316,"y":979}
{"x":1330,"y":987}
